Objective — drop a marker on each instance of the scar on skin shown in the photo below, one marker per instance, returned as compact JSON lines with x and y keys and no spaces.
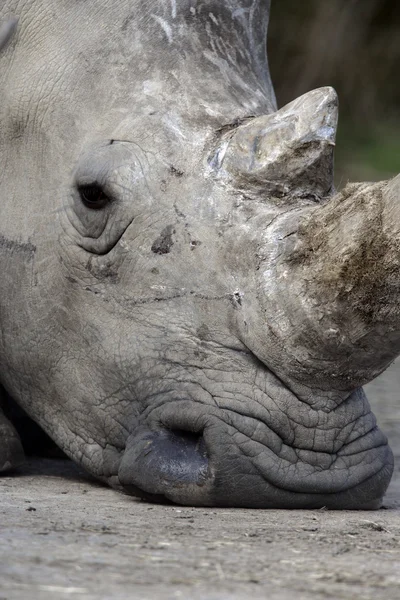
{"x":13,"y":246}
{"x":176,"y":172}
{"x":164,"y":243}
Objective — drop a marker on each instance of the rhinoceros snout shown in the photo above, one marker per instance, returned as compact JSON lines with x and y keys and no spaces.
{"x":196,"y":454}
{"x":165,"y":464}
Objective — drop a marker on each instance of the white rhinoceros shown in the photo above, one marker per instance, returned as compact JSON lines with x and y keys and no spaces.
{"x":187,"y":306}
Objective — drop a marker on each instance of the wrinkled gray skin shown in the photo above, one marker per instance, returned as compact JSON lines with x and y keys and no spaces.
{"x":200,"y":332}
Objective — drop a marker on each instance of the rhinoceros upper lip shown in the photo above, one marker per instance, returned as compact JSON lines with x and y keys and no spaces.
{"x":165,"y":461}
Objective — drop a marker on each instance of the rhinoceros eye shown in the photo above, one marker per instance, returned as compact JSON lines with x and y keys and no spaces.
{"x":93,"y":196}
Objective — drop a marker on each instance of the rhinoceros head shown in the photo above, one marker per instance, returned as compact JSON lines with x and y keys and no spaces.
{"x":187,"y":306}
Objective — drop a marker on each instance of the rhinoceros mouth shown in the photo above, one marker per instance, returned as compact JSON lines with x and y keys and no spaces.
{"x":202,"y":455}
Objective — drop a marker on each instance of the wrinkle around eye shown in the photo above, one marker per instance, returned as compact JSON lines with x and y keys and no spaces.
{"x":99,"y":222}
{"x":103,"y":249}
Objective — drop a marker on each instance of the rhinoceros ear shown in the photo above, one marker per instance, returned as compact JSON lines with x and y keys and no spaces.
{"x":289,"y":152}
{"x":7,"y":30}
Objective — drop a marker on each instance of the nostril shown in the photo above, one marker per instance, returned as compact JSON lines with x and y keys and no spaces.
{"x":182,"y":454}
{"x":158,"y":462}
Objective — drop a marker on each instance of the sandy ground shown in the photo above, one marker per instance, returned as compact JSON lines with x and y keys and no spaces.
{"x":62,"y":535}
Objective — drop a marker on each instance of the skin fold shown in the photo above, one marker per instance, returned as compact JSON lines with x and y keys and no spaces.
{"x":187,"y":307}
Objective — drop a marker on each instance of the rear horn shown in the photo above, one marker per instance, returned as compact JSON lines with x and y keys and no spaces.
{"x":286,"y":153}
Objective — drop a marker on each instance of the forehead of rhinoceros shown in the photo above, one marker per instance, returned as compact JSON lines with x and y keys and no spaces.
{"x":201,"y":58}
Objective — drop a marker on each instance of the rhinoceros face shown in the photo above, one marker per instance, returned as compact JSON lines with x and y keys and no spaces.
{"x":169,"y":314}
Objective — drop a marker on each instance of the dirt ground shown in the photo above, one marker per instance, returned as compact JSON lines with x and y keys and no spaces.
{"x":62,"y":535}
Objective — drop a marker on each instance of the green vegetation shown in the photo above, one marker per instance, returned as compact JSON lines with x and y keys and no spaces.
{"x":367,"y":153}
{"x":353,"y":45}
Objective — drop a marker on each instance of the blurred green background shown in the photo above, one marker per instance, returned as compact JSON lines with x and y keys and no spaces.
{"x":353,"y":45}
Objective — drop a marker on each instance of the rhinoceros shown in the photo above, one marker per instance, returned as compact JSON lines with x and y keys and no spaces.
{"x":188,"y":307}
